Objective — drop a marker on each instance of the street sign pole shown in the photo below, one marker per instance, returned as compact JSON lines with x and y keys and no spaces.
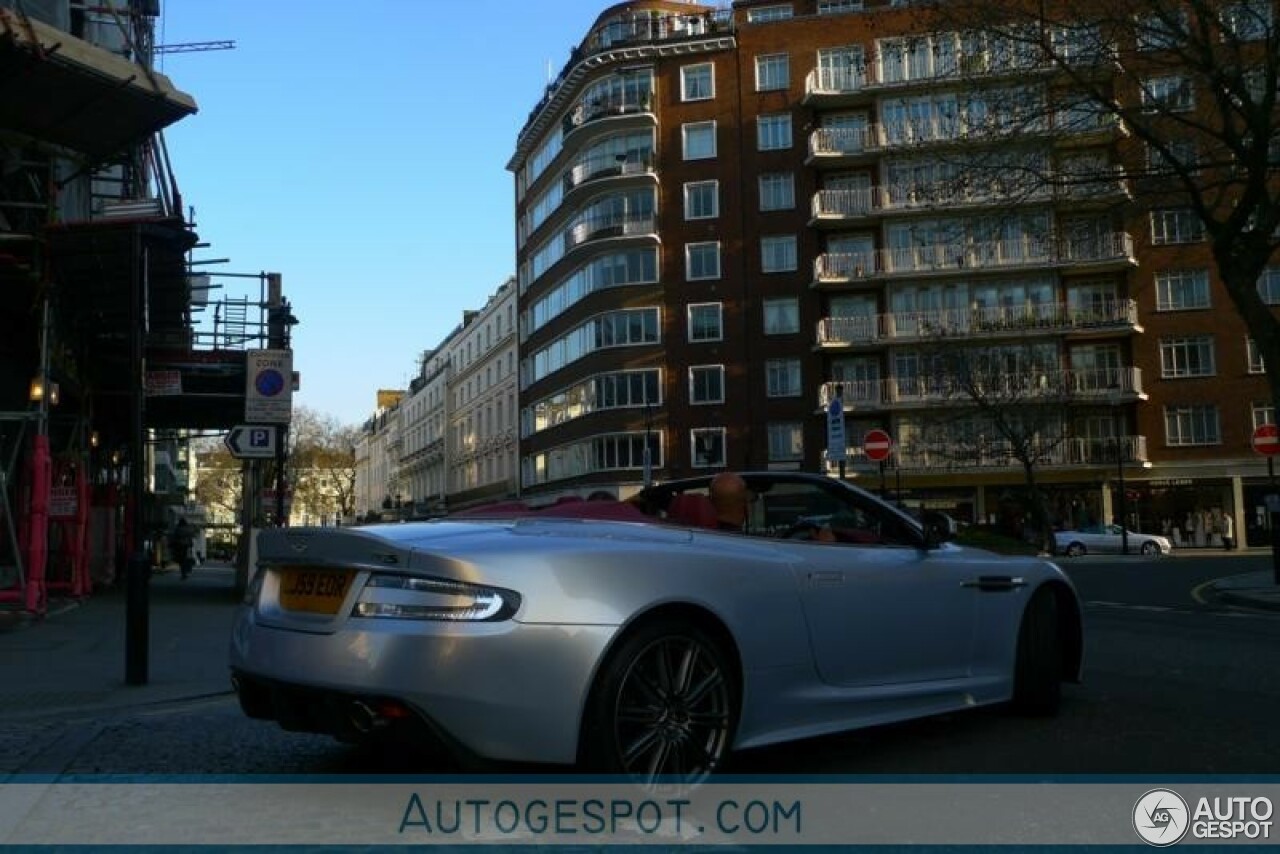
{"x":280,"y":458}
{"x":1266,"y":441}
{"x":883,"y":491}
{"x":836,"y":442}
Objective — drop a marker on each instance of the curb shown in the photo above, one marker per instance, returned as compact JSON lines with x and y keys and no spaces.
{"x":1233,"y":597}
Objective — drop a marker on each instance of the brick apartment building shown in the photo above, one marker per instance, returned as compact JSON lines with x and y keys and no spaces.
{"x":725,"y":217}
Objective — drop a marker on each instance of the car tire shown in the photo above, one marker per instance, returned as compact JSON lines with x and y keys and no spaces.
{"x":664,"y":706}
{"x":1150,"y":548}
{"x":1037,"y":680}
{"x":1075,"y":550}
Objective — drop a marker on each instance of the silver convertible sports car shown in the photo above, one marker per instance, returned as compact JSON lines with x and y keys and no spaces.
{"x":634,"y":638}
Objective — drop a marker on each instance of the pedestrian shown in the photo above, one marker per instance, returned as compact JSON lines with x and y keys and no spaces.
{"x":1228,"y":532}
{"x":181,"y":542}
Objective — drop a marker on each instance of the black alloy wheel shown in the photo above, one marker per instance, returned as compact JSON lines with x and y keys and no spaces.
{"x":666,"y":707}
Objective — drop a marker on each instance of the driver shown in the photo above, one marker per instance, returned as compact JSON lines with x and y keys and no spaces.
{"x":730,"y":496}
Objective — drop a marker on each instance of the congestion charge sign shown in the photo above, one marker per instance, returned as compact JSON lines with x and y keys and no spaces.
{"x":268,"y":394}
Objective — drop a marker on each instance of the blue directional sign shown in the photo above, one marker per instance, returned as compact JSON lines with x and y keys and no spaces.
{"x":835,"y":431}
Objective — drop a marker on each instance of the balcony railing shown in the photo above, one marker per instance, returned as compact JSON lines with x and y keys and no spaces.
{"x":868,"y":76}
{"x":876,"y":138}
{"x":952,"y":257}
{"x":591,"y":168}
{"x":604,"y":108}
{"x":975,"y":322}
{"x":861,"y":202}
{"x":602,"y":227}
{"x":1097,"y":385}
{"x":998,"y":454}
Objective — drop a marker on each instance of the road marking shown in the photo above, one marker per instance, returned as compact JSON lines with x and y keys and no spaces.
{"x":1209,"y":610}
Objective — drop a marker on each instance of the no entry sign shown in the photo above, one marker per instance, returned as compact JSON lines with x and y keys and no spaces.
{"x":877,"y":445}
{"x":1266,"y":439}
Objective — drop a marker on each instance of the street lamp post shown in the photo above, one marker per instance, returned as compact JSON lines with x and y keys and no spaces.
{"x":1117,"y":399}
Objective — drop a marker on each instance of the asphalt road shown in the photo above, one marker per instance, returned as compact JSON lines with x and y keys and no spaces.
{"x":1173,"y":684}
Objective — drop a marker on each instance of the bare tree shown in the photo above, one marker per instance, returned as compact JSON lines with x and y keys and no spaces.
{"x":1009,"y":404}
{"x":219,"y":478}
{"x":1189,"y":88}
{"x":322,"y":463}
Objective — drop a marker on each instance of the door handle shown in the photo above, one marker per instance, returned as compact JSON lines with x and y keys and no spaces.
{"x":994,"y":583}
{"x":826,"y":577}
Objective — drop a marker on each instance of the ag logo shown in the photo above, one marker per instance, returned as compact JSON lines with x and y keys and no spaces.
{"x":1160,"y":817}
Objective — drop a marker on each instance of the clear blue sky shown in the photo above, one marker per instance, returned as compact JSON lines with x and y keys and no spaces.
{"x":360,"y":150}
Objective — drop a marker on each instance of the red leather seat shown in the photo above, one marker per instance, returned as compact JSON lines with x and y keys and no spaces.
{"x":692,"y":510}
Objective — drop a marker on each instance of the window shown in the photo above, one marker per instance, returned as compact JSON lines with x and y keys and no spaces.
{"x":1162,"y":31}
{"x":786,"y":441}
{"x":1269,"y":286}
{"x":778,"y":254}
{"x":1170,"y":94}
{"x":1187,"y":357}
{"x":773,"y":132}
{"x":1248,"y":21}
{"x":1177,"y":290}
{"x":781,"y":316}
{"x":764,"y":14}
{"x":831,"y":7}
{"x":1191,"y":425}
{"x":706,"y":321}
{"x":1256,"y":365}
{"x":1182,"y":156}
{"x":706,"y":384}
{"x":697,"y":82}
{"x":1175,"y":225}
{"x":707,"y":447}
{"x":1263,"y":413}
{"x":773,"y":72}
{"x":699,"y":140}
{"x":702,"y":261}
{"x":782,"y":377}
{"x":702,"y":200}
{"x":777,"y":191}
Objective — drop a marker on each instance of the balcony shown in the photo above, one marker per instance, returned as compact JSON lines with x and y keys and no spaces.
{"x":840,"y":147}
{"x":1098,"y":385}
{"x":589,"y":169}
{"x":826,"y":88}
{"x":841,"y":208}
{"x":600,"y":109}
{"x":606,"y":227}
{"x":992,"y":454}
{"x":1087,"y":128}
{"x":840,"y":333}
{"x":1106,"y":252}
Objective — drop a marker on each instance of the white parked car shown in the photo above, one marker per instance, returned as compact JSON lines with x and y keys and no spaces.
{"x":1108,"y":539}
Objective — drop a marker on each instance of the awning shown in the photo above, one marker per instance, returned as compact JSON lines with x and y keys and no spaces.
{"x":61,"y":89}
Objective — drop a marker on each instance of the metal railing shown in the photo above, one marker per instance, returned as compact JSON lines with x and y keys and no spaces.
{"x":602,"y":227}
{"x":1026,"y":251}
{"x":859,"y":202}
{"x":906,"y":326}
{"x":601,"y":166}
{"x":998,"y":453}
{"x":1100,"y":384}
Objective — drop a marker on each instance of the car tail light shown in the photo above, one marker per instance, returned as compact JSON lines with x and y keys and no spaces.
{"x":412,"y":597}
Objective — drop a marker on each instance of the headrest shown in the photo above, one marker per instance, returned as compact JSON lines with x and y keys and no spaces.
{"x":693,"y":510}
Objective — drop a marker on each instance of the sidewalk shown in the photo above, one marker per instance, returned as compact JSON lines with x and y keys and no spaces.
{"x":73,"y":659}
{"x":1250,"y":589}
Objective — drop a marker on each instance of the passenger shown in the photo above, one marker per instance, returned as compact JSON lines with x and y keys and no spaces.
{"x":730,"y":497}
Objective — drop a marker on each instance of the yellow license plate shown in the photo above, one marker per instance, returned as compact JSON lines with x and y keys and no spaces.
{"x":317,"y":591}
